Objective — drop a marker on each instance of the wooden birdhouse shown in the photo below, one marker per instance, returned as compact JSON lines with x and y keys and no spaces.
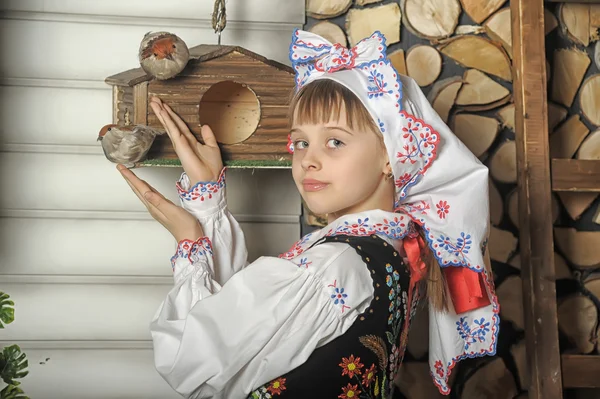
{"x":241,"y":95}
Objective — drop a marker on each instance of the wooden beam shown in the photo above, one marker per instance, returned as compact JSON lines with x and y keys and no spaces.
{"x":580,"y":371}
{"x":533,"y":163}
{"x":575,"y":175}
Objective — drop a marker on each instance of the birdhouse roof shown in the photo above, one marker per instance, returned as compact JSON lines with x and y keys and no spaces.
{"x":202,"y":52}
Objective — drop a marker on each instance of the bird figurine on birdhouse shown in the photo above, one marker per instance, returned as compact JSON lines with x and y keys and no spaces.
{"x":163,"y":55}
{"x":127,"y":145}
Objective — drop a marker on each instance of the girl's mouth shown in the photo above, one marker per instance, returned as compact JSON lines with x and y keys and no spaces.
{"x":309,"y":187}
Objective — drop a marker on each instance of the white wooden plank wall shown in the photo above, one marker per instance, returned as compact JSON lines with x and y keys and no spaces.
{"x":80,"y":256}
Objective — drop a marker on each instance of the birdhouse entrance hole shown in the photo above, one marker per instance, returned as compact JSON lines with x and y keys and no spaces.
{"x":231,"y":110}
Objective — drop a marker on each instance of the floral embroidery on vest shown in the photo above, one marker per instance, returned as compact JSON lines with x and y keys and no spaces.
{"x":397,"y":336}
{"x":273,"y":388}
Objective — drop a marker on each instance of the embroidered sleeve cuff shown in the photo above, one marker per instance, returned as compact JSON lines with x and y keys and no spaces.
{"x":203,"y":195}
{"x":192,"y":252}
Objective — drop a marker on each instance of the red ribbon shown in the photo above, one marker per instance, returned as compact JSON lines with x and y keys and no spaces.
{"x":413,"y":247}
{"x":467,"y":289}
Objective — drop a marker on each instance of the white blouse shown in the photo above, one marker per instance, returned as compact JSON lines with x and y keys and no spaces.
{"x":228,"y":327}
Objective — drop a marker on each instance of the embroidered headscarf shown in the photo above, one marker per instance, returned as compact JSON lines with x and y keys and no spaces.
{"x":440,"y":186}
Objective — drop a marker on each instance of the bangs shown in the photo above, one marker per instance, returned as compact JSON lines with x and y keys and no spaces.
{"x":321,"y":101}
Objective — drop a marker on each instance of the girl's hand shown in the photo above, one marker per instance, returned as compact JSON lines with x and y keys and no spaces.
{"x":180,"y":223}
{"x":201,"y":162}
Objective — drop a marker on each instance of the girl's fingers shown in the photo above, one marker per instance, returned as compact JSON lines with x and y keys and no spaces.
{"x":141,"y":189}
{"x":166,"y":120}
{"x":172,"y":130}
{"x":170,"y":125}
{"x":208,"y":136}
{"x":183,"y":140}
{"x":134,"y":182}
{"x":158,"y":201}
{"x":157,"y":107}
{"x":182,"y":126}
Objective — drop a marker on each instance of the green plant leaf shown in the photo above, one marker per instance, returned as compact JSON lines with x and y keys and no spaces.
{"x":12,"y":392}
{"x":13,"y":364}
{"x":7,"y":311}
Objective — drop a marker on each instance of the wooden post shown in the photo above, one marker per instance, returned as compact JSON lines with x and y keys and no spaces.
{"x":537,"y":249}
{"x":140,"y":103}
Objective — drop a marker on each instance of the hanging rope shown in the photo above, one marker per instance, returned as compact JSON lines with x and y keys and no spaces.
{"x":219,"y":18}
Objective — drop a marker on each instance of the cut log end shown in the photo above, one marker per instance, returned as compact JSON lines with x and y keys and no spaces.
{"x":506,"y":115}
{"x":590,"y":148}
{"x":443,"y":95}
{"x":496,"y":204}
{"x":329,"y":31}
{"x":361,"y":23}
{"x":581,"y":248}
{"x":498,"y":27}
{"x":479,"y":10}
{"x":510,"y":295}
{"x":398,"y":61}
{"x":556,"y":114}
{"x":423,"y":64}
{"x":479,"y":53}
{"x":578,"y":321}
{"x":323,"y":9}
{"x":475,"y":131}
{"x":431,"y":19}
{"x":503,"y":166}
{"x":567,"y":138}
{"x":574,"y":19}
{"x":502,"y":244}
{"x":493,"y":380}
{"x":479,"y":92}
{"x":576,"y":203}
{"x":568,"y":70}
{"x":589,"y":99}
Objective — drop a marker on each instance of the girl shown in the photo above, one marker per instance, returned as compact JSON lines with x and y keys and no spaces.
{"x":407,"y":206}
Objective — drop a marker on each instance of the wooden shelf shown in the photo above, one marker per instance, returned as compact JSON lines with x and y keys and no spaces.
{"x":575,"y":175}
{"x":580,"y":371}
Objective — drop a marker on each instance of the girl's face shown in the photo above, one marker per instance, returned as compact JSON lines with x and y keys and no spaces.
{"x":339,"y":170}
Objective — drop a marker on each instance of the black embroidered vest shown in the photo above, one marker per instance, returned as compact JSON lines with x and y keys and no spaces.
{"x":363,"y":362}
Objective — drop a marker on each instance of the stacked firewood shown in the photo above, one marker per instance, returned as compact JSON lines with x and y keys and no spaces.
{"x":460,"y":53}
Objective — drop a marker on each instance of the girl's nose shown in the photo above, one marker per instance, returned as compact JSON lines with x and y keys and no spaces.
{"x":310,"y":160}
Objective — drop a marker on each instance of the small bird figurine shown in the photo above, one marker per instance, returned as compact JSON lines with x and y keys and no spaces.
{"x":127,"y":144}
{"x":163,"y":55}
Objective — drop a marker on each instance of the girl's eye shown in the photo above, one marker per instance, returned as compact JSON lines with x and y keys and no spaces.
{"x":300,"y":144}
{"x":334,"y":144}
